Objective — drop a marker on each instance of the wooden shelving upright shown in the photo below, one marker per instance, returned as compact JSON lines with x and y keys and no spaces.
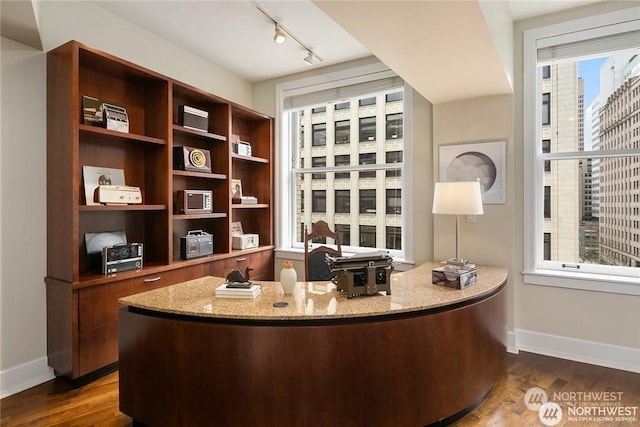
{"x":82,"y":304}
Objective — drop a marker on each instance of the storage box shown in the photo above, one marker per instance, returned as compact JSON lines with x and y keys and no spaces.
{"x":245,"y":241}
{"x":454,"y":277}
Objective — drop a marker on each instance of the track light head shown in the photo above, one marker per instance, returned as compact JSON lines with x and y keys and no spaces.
{"x":279,"y":37}
{"x":310,"y":58}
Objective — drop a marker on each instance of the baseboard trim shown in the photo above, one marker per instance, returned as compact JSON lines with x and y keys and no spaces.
{"x":511,"y":343}
{"x":594,"y":353}
{"x":21,"y":377}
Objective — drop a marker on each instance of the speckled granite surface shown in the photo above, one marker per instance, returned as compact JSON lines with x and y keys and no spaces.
{"x":410,"y":291}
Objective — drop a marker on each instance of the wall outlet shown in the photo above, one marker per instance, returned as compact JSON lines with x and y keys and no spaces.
{"x":471,"y":218}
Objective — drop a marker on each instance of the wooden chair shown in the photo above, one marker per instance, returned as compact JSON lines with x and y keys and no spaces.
{"x":315,"y":268}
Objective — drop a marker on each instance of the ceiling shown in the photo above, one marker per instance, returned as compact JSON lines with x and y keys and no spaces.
{"x":409,"y":36}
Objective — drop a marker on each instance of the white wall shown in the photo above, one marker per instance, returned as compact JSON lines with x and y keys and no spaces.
{"x":490,"y":240}
{"x":23,"y":162}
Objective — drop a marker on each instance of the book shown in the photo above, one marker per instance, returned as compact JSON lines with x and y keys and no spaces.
{"x":223,"y":291}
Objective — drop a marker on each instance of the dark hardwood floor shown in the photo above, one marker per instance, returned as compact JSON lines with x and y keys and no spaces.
{"x":57,"y":404}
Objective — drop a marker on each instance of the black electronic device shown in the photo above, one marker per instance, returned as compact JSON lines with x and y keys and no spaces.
{"x":191,"y":159}
{"x":196,"y":243}
{"x":193,"y":118}
{"x":121,"y":257}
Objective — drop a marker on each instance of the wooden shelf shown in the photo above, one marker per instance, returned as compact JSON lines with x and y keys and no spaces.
{"x":199,"y":216}
{"x":123,"y":136}
{"x":250,"y":206}
{"x":199,"y":174}
{"x":112,"y":208}
{"x":82,"y":304}
{"x":199,"y":133}
{"x":253,"y":159}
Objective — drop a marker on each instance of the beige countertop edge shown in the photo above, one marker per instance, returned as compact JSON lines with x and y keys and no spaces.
{"x":413,"y":292}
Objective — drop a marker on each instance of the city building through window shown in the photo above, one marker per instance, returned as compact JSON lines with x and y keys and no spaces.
{"x":583,"y":149}
{"x":351,"y":141}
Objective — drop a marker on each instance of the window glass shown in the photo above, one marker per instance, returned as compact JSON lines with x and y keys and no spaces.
{"x":343,"y":132}
{"x":586,"y":167}
{"x":343,"y":201}
{"x":368,"y":201}
{"x":319,"y":134}
{"x":394,"y":126}
{"x":343,"y":193}
{"x":367,"y":129}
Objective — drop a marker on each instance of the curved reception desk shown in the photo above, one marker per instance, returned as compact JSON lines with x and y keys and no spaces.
{"x":421,"y":355}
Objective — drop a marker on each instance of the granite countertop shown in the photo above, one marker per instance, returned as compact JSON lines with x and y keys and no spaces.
{"x":410,"y":291}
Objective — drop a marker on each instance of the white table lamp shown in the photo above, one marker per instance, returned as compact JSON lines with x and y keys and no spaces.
{"x":457,"y":198}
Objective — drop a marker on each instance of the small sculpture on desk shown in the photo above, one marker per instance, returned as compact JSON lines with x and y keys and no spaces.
{"x":235,"y":276}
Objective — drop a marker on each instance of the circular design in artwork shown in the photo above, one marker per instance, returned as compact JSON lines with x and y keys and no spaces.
{"x":473,"y":166}
{"x":197,"y":157}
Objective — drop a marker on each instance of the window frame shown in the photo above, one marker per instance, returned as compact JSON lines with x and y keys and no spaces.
{"x":285,"y":232}
{"x":536,"y":270}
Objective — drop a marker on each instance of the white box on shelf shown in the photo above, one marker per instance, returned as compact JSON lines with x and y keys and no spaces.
{"x":245,"y":241}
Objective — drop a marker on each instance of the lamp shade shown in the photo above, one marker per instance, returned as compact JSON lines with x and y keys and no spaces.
{"x":457,"y":198}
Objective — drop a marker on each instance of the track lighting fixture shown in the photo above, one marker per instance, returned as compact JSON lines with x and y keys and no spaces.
{"x":309,"y":59}
{"x":279,"y":36}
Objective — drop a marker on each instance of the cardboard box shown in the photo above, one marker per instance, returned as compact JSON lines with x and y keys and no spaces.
{"x":454,"y":277}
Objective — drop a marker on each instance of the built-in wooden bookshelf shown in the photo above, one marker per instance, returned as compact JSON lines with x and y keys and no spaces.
{"x":81,"y":303}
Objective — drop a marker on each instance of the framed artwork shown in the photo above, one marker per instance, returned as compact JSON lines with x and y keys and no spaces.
{"x":477,"y":161}
{"x":94,"y":176}
{"x":236,"y":188}
{"x":236,"y":228}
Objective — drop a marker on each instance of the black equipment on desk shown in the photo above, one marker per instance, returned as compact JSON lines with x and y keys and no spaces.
{"x":362,"y":274}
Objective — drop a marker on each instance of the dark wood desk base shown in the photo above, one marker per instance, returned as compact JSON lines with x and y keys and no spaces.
{"x":411,"y":369}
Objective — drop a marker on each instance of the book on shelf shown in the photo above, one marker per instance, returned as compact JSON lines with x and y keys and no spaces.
{"x":223,"y":291}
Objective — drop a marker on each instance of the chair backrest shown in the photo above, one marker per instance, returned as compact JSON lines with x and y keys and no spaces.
{"x":315,"y":268}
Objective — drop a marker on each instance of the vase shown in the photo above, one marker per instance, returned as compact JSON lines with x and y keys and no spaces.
{"x":288,"y":278}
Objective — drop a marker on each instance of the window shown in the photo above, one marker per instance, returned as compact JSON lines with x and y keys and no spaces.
{"x":318,"y":162}
{"x":319,"y":110}
{"x":319,"y":134}
{"x":342,"y":160}
{"x":368,"y":201}
{"x":582,"y":134}
{"x":367,"y":129}
{"x":319,"y":200}
{"x":368,"y":236}
{"x":546,"y":108}
{"x":547,"y":246}
{"x":394,"y":157}
{"x":368,"y":101}
{"x":343,"y":201}
{"x":344,"y":234}
{"x":367,"y":159}
{"x":394,"y":238}
{"x":393,"y":97}
{"x":546,"y":148}
{"x":354,"y":180}
{"x":394,"y":126}
{"x":394,"y":201}
{"x":343,"y":132}
{"x":547,"y":201}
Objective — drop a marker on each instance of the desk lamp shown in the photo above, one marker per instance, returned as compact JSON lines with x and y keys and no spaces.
{"x":457,"y":198}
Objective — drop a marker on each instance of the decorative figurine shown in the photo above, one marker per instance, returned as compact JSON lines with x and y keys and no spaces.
{"x":235,"y":276}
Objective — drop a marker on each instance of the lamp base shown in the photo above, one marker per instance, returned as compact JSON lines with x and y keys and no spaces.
{"x":455,"y":261}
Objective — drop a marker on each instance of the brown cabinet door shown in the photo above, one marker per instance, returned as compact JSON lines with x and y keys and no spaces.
{"x":98,"y":314}
{"x":260,"y":262}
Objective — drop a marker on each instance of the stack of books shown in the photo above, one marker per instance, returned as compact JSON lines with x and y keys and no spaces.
{"x":231,"y":290}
